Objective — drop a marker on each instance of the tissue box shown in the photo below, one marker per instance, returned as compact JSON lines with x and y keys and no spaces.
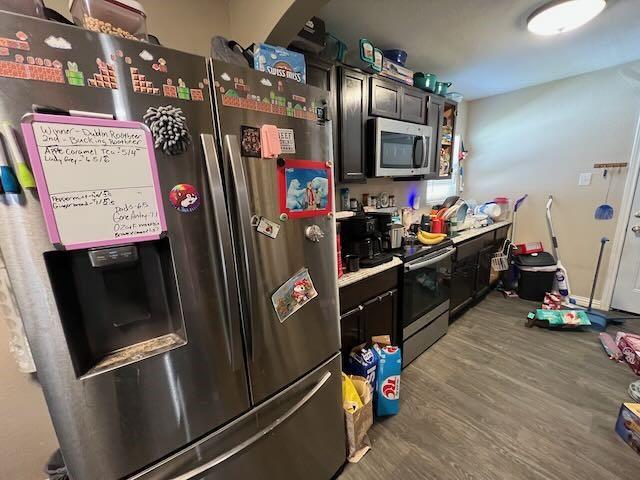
{"x":280,"y":62}
{"x":628,"y":425}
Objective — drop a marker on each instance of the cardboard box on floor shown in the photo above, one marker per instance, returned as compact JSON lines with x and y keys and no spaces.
{"x":359,"y":422}
{"x":628,"y":425}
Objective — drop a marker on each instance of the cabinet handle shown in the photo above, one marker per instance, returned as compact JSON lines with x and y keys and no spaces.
{"x":390,"y":293}
{"x":359,"y":308}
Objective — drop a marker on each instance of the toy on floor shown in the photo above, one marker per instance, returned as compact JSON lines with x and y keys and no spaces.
{"x":634,"y":390}
{"x":610,"y":347}
{"x":560,"y":319}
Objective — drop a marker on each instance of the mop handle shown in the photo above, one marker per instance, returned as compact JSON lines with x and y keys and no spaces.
{"x":603,"y":241}
{"x":554,"y":240}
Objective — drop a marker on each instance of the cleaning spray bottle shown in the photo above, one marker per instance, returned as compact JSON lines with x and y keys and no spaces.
{"x":561,"y":281}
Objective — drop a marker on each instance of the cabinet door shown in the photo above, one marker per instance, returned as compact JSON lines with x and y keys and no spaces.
{"x":351,"y":330}
{"x":463,"y":281}
{"x":319,"y":73}
{"x":385,"y":98}
{"x":435,"y":115}
{"x":483,"y":283}
{"x":353,"y":100}
{"x":379,"y":316}
{"x":447,"y":139}
{"x":414,"y":106}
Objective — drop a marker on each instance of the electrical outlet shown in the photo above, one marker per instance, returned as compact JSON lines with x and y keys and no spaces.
{"x":585,"y":179}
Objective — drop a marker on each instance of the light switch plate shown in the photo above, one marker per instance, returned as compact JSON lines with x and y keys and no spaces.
{"x":585,"y":179}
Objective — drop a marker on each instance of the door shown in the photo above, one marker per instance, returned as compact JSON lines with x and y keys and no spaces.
{"x":483,"y":283}
{"x":414,"y":106}
{"x":463,"y":281}
{"x":351,"y":128}
{"x":385,"y":98}
{"x":626,"y":293}
{"x":118,"y":421}
{"x":435,"y":116}
{"x":350,"y":330}
{"x":426,"y":284}
{"x":299,"y":433}
{"x":278,"y":352}
{"x":379,"y":316}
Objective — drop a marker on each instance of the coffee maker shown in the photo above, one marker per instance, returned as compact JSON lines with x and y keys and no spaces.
{"x":390,"y":233}
{"x":362,"y":237}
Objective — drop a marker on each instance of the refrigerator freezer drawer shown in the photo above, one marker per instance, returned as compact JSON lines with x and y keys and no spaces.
{"x":299,"y":433}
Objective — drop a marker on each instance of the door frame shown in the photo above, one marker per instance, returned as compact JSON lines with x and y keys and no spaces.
{"x":632,"y":183}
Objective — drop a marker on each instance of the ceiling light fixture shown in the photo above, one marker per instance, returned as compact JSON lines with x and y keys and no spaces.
{"x":561,"y":16}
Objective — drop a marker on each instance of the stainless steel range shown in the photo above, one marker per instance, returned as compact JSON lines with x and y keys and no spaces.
{"x":425,"y":282}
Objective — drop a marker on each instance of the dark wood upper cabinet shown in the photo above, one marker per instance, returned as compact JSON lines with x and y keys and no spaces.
{"x":414,"y":106}
{"x":385,"y":98}
{"x":320,"y":73}
{"x":435,"y":115}
{"x":447,"y":139}
{"x":352,"y":111}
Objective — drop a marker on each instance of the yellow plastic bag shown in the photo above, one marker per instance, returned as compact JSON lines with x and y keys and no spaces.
{"x":351,"y":401}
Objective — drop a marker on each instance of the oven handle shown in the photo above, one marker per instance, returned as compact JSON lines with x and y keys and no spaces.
{"x":410,"y":267}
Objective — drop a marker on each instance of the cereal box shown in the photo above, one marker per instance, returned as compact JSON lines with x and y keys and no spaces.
{"x":280,"y":62}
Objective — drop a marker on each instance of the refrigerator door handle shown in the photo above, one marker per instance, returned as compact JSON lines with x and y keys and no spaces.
{"x":246,"y":232}
{"x":258,"y":435}
{"x":231,"y":306}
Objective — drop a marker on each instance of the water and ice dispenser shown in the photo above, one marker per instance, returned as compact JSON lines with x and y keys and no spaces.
{"x":118,"y":304}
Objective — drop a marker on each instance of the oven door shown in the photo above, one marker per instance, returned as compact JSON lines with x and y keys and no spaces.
{"x":426,"y":284}
{"x":402,"y":148}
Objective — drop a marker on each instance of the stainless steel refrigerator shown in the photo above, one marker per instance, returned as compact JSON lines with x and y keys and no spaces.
{"x":235,"y":392}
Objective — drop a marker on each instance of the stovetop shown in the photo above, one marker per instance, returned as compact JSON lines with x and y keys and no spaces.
{"x":417,"y":250}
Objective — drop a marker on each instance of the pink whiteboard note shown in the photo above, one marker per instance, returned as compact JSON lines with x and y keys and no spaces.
{"x":97,"y":180}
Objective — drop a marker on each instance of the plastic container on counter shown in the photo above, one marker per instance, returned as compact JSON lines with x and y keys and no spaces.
{"x":505,"y":208}
{"x":121,"y":18}
{"x":33,"y":8}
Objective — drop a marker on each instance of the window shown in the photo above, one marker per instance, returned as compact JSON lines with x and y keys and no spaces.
{"x":438,"y":190}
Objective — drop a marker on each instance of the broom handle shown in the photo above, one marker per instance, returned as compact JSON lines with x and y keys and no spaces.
{"x":603,"y":240}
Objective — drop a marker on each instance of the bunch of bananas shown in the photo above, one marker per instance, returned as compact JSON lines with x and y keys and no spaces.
{"x":427,"y":238}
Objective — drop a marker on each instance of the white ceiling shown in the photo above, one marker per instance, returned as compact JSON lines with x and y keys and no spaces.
{"x":483,"y":46}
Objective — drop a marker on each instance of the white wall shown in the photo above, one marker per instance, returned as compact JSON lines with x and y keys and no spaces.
{"x":539,"y":139}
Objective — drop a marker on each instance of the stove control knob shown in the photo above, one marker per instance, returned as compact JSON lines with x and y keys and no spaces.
{"x":314,"y":233}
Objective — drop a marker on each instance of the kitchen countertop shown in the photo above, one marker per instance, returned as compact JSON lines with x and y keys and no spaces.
{"x":349,"y":278}
{"x":474,"y":232}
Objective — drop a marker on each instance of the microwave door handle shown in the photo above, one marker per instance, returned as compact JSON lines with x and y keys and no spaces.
{"x":230,"y":303}
{"x":410,"y":267}
{"x":426,"y":158}
{"x":243,"y":207}
{"x":416,"y":162}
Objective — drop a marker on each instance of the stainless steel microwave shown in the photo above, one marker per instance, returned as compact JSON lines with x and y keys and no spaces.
{"x":402,"y":149}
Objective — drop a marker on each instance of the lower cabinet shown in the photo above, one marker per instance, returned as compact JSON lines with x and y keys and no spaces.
{"x":471,"y":276}
{"x":379,"y":315}
{"x":369,"y":308}
{"x":463,"y":282}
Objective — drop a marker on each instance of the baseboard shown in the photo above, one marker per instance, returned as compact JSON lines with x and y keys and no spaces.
{"x":584,"y":301}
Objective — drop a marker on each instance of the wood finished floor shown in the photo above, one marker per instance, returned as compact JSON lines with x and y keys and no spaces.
{"x":495,"y":400}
